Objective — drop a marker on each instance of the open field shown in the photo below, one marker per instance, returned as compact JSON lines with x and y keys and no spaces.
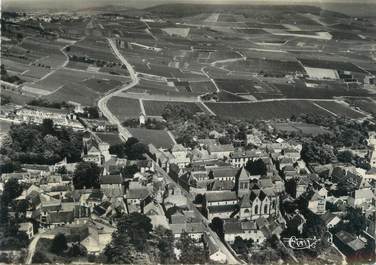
{"x":326,"y":64}
{"x":159,"y":138}
{"x":74,"y":92}
{"x":16,"y":97}
{"x":340,"y":109}
{"x":365,"y":105}
{"x":304,"y":128}
{"x":224,"y":96}
{"x":101,"y":85}
{"x":111,"y":138}
{"x":266,"y":110}
{"x":254,"y":87}
{"x":324,"y":90}
{"x":202,"y":87}
{"x":124,"y":108}
{"x":63,"y":77}
{"x":155,"y":108}
{"x":266,"y":66}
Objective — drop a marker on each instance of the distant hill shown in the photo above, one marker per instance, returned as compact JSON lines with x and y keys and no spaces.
{"x":248,"y":10}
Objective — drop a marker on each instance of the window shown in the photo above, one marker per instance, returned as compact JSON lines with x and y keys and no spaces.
{"x":255,"y":209}
{"x":246,"y":211}
{"x":273,"y":204}
{"x":265,"y":208}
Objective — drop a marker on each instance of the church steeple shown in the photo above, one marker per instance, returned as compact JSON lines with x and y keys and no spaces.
{"x":243,"y":182}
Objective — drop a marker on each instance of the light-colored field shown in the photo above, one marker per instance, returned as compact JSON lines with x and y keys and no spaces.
{"x":212,"y":18}
{"x":63,"y":77}
{"x":182,"y":32}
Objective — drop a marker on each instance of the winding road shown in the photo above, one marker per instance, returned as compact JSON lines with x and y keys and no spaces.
{"x":102,"y":103}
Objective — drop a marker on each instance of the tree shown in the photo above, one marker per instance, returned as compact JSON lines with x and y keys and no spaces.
{"x":40,"y":257}
{"x":190,"y":252}
{"x":118,"y":149}
{"x":77,"y":250}
{"x":86,"y":175}
{"x":59,"y":244}
{"x":62,"y":170}
{"x":120,"y":250}
{"x":137,"y":151}
{"x":345,"y":156}
{"x":137,"y":226}
{"x":314,"y":152}
{"x":21,"y":207}
{"x":129,"y":238}
{"x":129,"y":171}
{"x":240,"y":246}
{"x":257,"y":167}
{"x":199,"y":199}
{"x":92,"y":112}
{"x":12,"y":189}
{"x":9,"y":166}
{"x":47,"y":126}
{"x":217,"y":226}
{"x":165,"y":245}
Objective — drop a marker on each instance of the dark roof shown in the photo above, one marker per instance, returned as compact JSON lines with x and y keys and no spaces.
{"x":232,"y":227}
{"x":223,"y":208}
{"x":96,"y":195}
{"x":221,"y":196}
{"x":222,"y":185}
{"x":61,"y":217}
{"x":137,"y":194}
{"x":221,"y":172}
{"x":350,"y":240}
{"x":111,"y":179}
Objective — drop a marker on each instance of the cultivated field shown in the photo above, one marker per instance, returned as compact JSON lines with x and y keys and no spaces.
{"x":265,"y":110}
{"x":159,"y":138}
{"x":124,"y":108}
{"x":156,"y":108}
{"x":340,"y":109}
{"x":74,"y":92}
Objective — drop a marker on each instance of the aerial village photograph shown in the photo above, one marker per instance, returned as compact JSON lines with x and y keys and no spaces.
{"x":188,"y":132}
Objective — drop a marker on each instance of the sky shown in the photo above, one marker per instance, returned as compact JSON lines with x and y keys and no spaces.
{"x":77,"y":4}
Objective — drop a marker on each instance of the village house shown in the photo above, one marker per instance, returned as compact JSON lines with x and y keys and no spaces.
{"x":240,"y":158}
{"x":98,"y":236}
{"x":37,"y":114}
{"x":194,"y":230}
{"x":223,"y":173}
{"x":136,"y":199}
{"x":330,"y":219}
{"x":154,"y":211}
{"x":221,"y":151}
{"x":349,"y":244}
{"x":220,"y":204}
{"x":362,"y":198}
{"x":214,"y":253}
{"x":180,"y":155}
{"x":317,"y":203}
{"x":112,"y":185}
{"x":242,"y":228}
{"x":27,"y":228}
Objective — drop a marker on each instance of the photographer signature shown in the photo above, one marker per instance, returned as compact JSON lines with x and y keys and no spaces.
{"x":302,"y":243}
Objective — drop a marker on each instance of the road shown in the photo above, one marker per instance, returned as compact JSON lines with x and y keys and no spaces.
{"x":102,"y":103}
{"x":211,"y":79}
{"x":33,"y":245}
{"x":231,"y":259}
